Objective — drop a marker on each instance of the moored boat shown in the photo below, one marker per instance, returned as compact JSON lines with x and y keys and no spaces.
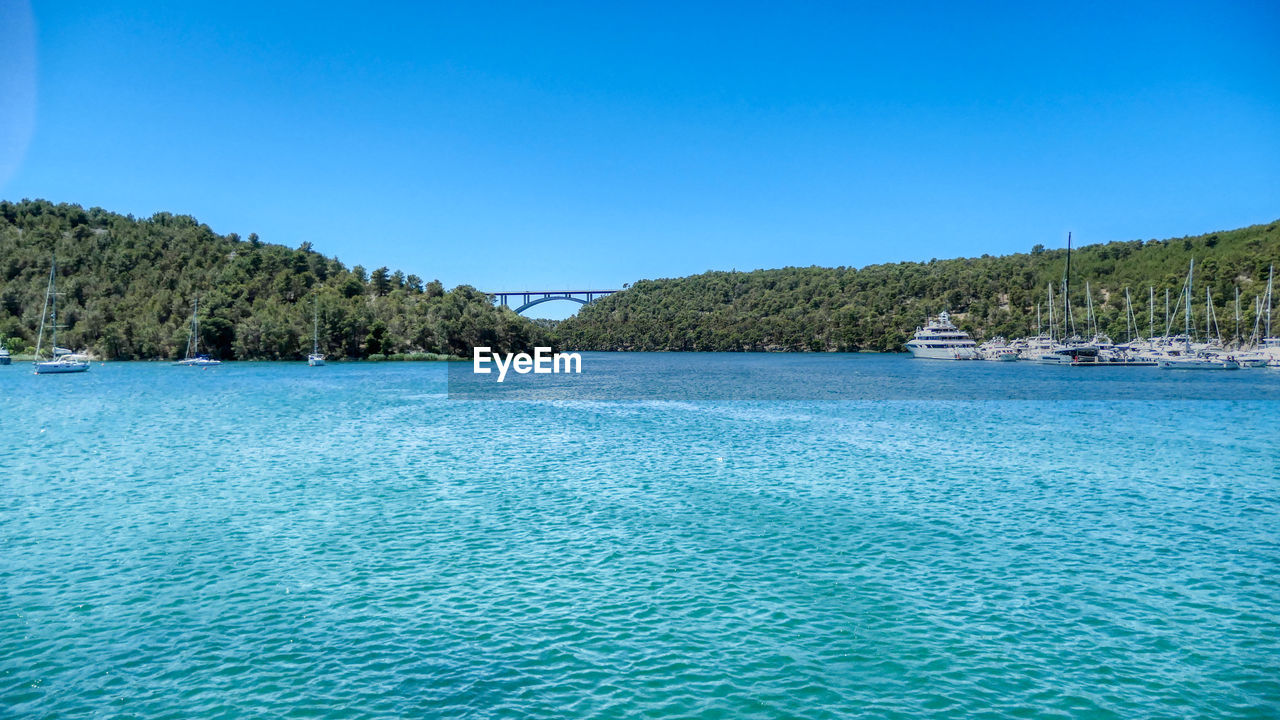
{"x":1199,"y":362}
{"x":940,"y":339}
{"x":316,"y":358}
{"x":63,"y":364}
{"x":998,"y":350}
{"x":193,"y":357}
{"x":199,"y":361}
{"x":61,"y":360}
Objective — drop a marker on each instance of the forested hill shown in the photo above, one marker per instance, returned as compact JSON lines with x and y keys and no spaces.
{"x":126,"y":288}
{"x":877,"y":307}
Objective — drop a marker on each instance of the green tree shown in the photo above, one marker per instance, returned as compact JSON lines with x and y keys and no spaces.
{"x":380,"y":281}
{"x":127,"y":286}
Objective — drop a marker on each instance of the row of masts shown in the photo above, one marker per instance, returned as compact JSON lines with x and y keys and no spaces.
{"x":1064,"y":326}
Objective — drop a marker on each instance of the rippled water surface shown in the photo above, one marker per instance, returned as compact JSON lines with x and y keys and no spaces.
{"x":349,"y":542}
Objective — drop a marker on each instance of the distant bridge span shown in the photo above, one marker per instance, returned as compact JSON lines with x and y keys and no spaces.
{"x":529,"y":298}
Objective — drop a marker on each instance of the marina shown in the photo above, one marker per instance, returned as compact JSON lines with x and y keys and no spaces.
{"x":1061,"y":344}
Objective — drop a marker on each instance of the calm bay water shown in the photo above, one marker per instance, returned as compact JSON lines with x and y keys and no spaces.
{"x":345,"y":542}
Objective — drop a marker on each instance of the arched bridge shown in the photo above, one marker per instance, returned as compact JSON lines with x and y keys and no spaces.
{"x":529,"y":298}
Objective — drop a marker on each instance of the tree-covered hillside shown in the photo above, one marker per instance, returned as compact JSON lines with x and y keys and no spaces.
{"x":877,"y":307}
{"x":126,"y":288}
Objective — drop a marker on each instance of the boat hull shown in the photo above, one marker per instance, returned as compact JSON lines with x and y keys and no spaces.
{"x":199,"y":363}
{"x":1200,"y":364}
{"x":315,"y":360}
{"x":951,"y":353}
{"x":57,"y":368}
{"x":1114,"y":363}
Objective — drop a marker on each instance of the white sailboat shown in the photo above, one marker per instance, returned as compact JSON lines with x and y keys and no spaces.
{"x":1263,"y":349}
{"x":316,"y":358}
{"x":1190,"y":357}
{"x":62,"y":360}
{"x":194,"y":358}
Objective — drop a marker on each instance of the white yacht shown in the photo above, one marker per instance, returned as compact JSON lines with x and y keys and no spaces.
{"x":1200,"y":362}
{"x":1033,"y":347}
{"x":1062,"y":355}
{"x":998,"y":350}
{"x":1265,"y":355}
{"x":940,"y":339}
{"x":5,"y":358}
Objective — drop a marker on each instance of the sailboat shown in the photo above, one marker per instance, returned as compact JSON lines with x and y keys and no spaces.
{"x":1189,"y":358}
{"x":5,"y":358}
{"x":316,"y":358}
{"x":1263,"y":349}
{"x":63,"y":361}
{"x":193,"y":357}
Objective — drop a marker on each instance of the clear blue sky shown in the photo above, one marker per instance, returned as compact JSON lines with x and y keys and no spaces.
{"x":514,"y":145}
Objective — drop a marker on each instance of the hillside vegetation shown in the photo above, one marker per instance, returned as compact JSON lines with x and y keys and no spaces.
{"x":878,"y":306}
{"x":126,"y":288}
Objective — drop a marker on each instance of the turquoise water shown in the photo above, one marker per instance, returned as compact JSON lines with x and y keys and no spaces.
{"x":349,"y":542}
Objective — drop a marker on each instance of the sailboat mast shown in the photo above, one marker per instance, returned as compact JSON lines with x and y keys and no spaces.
{"x":1237,"y":337}
{"x":1257,"y":319}
{"x":1212,"y":325}
{"x":44,"y":313}
{"x":1066,"y":327}
{"x":1090,"y":322}
{"x":1166,"y":312}
{"x":1130,"y":322}
{"x":1190,"y":279}
{"x":1052,"y":325}
{"x":53,"y":306}
{"x":1270,"y":276}
{"x":1066,"y":294}
{"x":1151,"y":311}
{"x":315,"y":328}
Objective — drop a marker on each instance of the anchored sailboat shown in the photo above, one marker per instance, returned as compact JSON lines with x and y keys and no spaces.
{"x":316,"y":358}
{"x":62,"y":360}
{"x":1189,"y":358}
{"x":194,"y":358}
